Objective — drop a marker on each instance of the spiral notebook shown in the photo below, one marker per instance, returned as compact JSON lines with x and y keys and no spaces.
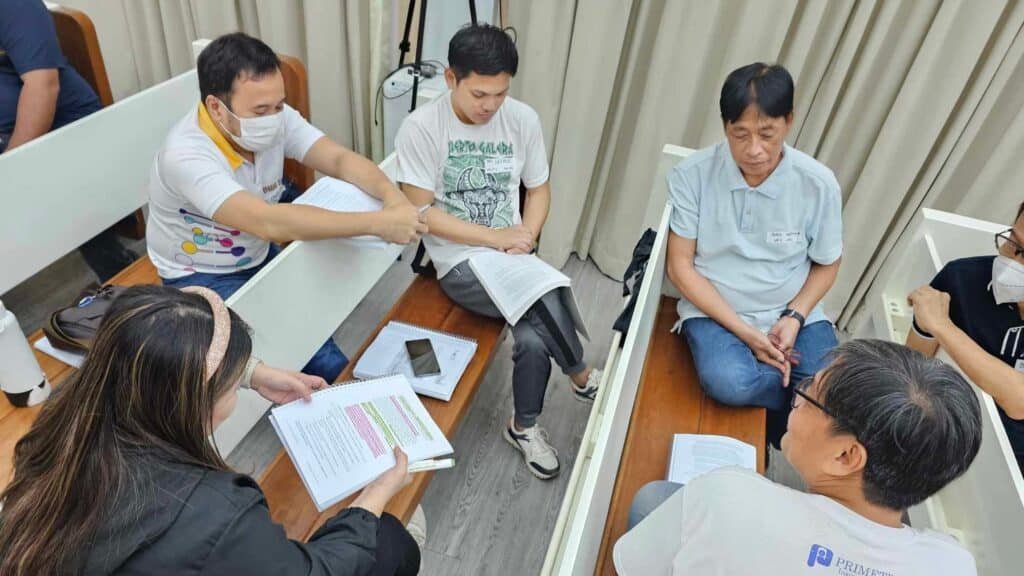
{"x":387,"y":355}
{"x":344,"y":438}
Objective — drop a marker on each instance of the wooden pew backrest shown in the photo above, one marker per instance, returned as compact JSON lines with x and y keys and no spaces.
{"x":296,"y":88}
{"x":81,"y":48}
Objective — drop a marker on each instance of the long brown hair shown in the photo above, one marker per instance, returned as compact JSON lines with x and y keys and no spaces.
{"x":142,"y":387}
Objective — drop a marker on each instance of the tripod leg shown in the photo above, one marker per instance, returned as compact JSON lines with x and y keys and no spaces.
{"x":417,"y":66}
{"x":403,"y":46}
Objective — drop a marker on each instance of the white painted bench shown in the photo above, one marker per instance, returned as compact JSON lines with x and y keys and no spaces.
{"x":984,"y":509}
{"x":616,"y":457}
{"x":65,"y":187}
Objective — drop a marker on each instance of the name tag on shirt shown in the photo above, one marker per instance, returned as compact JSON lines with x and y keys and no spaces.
{"x":778,"y":238}
{"x":272,"y":192}
{"x":1019,"y":365}
{"x":501,"y":165}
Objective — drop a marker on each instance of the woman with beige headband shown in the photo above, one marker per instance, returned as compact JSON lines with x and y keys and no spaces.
{"x":117,"y":475}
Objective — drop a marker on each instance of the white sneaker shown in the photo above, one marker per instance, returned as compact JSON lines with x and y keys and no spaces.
{"x":541,"y":458}
{"x":589,"y":390}
{"x":417,"y":527}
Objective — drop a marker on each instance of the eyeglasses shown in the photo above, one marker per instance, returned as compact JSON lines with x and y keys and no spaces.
{"x":1006,"y":237}
{"x":801,"y":390}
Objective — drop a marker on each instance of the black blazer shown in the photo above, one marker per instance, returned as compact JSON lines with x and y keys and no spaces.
{"x":174,"y":518}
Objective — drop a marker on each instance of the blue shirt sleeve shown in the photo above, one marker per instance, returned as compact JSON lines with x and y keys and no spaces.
{"x":685,"y":204}
{"x":826,"y":231}
{"x":28,"y":36}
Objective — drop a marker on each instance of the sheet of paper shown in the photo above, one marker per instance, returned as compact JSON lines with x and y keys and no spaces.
{"x":344,"y":438}
{"x":340,"y":196}
{"x":696,"y":454}
{"x":387,"y":355}
{"x":515,"y":283}
{"x":73,"y":359}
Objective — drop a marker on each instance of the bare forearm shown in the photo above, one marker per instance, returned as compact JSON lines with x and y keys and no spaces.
{"x":535,"y":212}
{"x":367,"y":176}
{"x":37,"y":104}
{"x":370,"y":501}
{"x":289,"y":222}
{"x":451,"y":228}
{"x":702,"y":294}
{"x":819,"y":282}
{"x":1003,"y":383}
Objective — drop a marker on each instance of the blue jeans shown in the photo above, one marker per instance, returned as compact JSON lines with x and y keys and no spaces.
{"x":649,"y":497}
{"x":730,"y":373}
{"x":327,"y":363}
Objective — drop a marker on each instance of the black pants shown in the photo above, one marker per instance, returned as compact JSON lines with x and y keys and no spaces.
{"x":397,"y":553}
{"x":106,"y":255}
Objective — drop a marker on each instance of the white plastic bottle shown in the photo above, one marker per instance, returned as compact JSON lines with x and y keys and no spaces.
{"x":21,"y":378}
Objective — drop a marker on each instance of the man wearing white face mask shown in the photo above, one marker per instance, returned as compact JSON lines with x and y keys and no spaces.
{"x":974,"y":310}
{"x":215,"y":216}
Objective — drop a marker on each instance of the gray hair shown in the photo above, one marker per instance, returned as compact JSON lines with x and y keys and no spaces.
{"x":917,"y":417}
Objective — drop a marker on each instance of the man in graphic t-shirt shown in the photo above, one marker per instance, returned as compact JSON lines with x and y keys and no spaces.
{"x":465,"y":155}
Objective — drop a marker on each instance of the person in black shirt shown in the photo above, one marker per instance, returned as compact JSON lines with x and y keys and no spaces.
{"x":974,"y":310}
{"x":117,"y":474}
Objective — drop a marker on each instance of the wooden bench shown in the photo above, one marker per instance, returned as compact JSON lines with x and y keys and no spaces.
{"x":669,"y":401}
{"x":133,"y":130}
{"x":650,"y":392}
{"x":422,"y":304}
{"x":15,"y":422}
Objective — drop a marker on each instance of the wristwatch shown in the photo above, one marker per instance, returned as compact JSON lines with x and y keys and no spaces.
{"x":790,"y":313}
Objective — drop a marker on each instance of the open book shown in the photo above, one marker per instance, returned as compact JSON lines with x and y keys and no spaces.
{"x":696,"y":454}
{"x":516,"y":282}
{"x":340,"y":196}
{"x":344,"y":438}
{"x":388,"y":355}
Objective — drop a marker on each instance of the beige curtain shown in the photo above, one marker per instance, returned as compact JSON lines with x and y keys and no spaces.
{"x":912,"y":103}
{"x":344,"y":44}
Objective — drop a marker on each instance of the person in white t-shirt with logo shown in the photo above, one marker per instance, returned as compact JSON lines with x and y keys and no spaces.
{"x":465,"y":155}
{"x":215,"y":217}
{"x":880,"y":429}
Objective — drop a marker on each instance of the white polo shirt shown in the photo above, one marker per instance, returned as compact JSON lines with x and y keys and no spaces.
{"x":193,"y":174}
{"x":756,"y":245}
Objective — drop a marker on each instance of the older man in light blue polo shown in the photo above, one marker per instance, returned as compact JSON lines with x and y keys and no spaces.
{"x":755,"y":245}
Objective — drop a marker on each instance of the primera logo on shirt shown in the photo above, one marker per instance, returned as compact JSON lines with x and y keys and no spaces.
{"x":822,"y":556}
{"x":819,"y":555}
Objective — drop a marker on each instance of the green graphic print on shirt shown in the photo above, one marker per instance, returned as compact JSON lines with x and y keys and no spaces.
{"x":477,"y":182}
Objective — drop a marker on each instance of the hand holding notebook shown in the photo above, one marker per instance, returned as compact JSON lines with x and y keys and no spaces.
{"x":345,"y":438}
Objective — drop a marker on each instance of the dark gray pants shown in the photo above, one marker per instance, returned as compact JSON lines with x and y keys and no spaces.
{"x":546,"y":331}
